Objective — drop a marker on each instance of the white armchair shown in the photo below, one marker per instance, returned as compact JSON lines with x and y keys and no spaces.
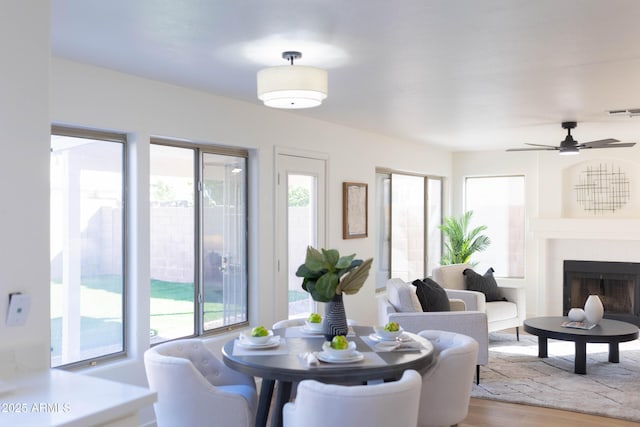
{"x":412,"y":319}
{"x":500,"y":314}
{"x":392,"y":403}
{"x":446,"y":387}
{"x":195,"y":388}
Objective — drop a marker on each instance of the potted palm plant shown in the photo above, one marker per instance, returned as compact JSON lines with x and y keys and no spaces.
{"x":460,"y":242}
{"x":327,"y":276}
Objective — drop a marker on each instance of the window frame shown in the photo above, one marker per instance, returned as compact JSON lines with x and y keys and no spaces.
{"x":120,"y":138}
{"x":199,"y":150}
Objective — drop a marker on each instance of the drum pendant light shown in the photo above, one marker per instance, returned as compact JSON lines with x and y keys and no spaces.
{"x":292,"y":86}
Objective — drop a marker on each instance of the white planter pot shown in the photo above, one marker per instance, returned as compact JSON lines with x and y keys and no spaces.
{"x":593,"y":309}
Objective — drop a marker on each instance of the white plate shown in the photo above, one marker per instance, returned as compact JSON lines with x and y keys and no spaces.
{"x":326,"y":357}
{"x":387,"y":335}
{"x":273,"y":342}
{"x":339,"y":354}
{"x":306,"y":330}
{"x":314,"y":326}
{"x":246,"y":337}
{"x":377,"y":338}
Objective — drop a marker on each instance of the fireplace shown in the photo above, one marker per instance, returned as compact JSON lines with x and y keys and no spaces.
{"x":616,"y":283}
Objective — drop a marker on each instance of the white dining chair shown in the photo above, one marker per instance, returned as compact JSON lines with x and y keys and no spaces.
{"x":288,"y":323}
{"x":195,"y":388}
{"x":446,"y":387}
{"x":386,"y":404}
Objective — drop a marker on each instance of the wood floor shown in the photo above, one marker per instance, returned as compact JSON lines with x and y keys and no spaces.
{"x":487,"y":413}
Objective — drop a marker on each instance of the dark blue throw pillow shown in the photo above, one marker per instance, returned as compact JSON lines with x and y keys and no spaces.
{"x":486,"y":284}
{"x":432,"y":296}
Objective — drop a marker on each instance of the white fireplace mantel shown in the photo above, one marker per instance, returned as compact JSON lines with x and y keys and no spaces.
{"x":586,"y":228}
{"x":588,"y":239}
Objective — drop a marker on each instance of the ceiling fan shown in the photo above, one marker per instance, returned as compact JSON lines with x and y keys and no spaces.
{"x":571,"y":146}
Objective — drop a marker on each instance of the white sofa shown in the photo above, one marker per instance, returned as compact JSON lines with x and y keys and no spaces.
{"x":399,"y":304}
{"x":500,"y":314}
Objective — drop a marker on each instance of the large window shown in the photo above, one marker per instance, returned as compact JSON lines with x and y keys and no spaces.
{"x":409,"y":213}
{"x":87,"y":255}
{"x":198,"y":239}
{"x":498,"y":203}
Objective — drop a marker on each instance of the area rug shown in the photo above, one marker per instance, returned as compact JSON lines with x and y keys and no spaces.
{"x":515,"y":374}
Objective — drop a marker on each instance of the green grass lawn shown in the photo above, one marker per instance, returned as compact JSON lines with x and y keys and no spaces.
{"x":171,"y":308}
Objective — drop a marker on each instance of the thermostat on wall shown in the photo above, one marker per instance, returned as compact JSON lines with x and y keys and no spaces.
{"x":18,"y":309}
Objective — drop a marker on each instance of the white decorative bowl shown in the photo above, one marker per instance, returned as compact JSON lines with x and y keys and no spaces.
{"x":386,"y":335}
{"x":313,"y":326}
{"x":339,"y":354}
{"x":257,"y":340}
{"x":576,"y":315}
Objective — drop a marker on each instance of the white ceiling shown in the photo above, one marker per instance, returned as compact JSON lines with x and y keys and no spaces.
{"x":461,"y":74}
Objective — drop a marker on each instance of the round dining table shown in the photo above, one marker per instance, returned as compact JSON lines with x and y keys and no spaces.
{"x":297,"y":355}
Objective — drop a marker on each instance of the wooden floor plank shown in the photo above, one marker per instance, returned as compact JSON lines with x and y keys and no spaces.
{"x":488,"y":413}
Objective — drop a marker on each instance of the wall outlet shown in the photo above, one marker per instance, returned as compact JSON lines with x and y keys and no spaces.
{"x":18,"y":309}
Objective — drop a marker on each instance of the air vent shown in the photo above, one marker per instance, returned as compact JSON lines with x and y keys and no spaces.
{"x":631,"y":112}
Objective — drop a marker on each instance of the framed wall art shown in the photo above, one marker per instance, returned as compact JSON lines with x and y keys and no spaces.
{"x":354,"y":210}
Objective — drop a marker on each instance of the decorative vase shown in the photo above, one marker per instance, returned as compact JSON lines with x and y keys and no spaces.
{"x":335,"y":318}
{"x":576,"y":315}
{"x":593,"y":309}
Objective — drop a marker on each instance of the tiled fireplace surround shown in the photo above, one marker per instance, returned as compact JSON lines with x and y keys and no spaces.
{"x":584,"y":239}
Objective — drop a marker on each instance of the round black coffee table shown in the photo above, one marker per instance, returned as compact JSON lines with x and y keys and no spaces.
{"x":607,"y":331}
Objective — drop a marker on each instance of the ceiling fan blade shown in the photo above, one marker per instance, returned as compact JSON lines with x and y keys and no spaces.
{"x":598,"y":143}
{"x":540,"y":148}
{"x":624,"y":144}
{"x":542,"y":145}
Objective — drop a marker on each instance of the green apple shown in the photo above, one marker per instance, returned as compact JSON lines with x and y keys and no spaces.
{"x":314,"y":318}
{"x":392,"y":327}
{"x":339,"y":342}
{"x":259,"y":331}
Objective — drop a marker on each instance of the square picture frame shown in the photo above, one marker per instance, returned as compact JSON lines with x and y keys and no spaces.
{"x":355,"y":210}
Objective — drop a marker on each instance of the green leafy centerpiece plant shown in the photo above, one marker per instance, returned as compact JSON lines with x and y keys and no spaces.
{"x":327,"y":276}
{"x":325,"y":273}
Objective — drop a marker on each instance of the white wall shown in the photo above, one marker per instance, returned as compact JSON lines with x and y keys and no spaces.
{"x":547,"y":195}
{"x":98,"y":98}
{"x":24,"y":182}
